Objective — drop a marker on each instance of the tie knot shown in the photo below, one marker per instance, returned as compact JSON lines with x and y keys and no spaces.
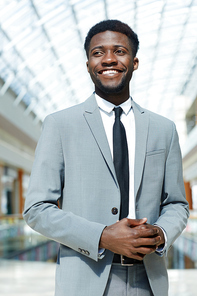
{"x":118,"y":111}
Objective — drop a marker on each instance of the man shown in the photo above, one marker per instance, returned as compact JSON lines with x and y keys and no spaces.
{"x":120,"y":209}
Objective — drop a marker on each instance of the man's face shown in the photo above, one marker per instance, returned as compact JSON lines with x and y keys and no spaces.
{"x":111,"y":63}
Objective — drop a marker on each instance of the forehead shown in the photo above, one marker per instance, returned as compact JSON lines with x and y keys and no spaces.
{"x":110,"y":38}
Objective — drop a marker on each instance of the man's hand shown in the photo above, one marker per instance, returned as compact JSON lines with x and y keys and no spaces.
{"x":132,"y":238}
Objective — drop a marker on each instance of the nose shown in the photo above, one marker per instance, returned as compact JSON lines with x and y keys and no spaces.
{"x":109,"y":59}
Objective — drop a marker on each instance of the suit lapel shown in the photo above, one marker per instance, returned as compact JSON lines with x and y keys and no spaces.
{"x":141,"y":127}
{"x":94,"y":121}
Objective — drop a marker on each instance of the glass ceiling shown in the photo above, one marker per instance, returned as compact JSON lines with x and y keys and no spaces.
{"x":43,"y":61}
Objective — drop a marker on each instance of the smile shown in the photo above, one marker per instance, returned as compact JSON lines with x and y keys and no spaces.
{"x":109,"y":72}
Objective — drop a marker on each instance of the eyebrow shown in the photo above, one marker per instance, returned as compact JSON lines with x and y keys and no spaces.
{"x":102,"y":46}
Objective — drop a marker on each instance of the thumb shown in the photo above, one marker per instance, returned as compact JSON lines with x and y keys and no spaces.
{"x":136,"y":222}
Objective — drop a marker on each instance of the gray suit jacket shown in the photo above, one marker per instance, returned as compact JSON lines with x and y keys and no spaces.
{"x":73,"y":164}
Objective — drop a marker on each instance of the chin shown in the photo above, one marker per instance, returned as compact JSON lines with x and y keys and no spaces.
{"x":109,"y":89}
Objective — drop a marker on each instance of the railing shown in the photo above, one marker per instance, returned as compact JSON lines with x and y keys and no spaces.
{"x":19,"y":241}
{"x":185,"y":247}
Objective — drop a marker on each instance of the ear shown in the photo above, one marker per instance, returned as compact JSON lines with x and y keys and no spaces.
{"x":87,"y":66}
{"x":135,"y":63}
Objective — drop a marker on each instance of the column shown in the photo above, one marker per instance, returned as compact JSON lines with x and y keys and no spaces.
{"x":20,"y":188}
{"x":188,"y":193}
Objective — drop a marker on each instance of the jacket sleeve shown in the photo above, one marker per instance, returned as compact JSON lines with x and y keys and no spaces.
{"x":174,"y":210}
{"x":45,"y":189}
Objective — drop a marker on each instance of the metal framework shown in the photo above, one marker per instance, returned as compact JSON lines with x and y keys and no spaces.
{"x":42,"y":58}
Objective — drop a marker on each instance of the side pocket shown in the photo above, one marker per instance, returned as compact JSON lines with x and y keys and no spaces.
{"x":155,"y":152}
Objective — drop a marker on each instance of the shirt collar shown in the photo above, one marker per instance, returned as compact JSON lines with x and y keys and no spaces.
{"x":108,"y":107}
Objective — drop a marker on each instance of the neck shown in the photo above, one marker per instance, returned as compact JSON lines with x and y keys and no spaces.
{"x":115,"y":98}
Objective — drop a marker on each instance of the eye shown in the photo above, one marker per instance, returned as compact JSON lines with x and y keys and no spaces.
{"x":97,"y":53}
{"x":120,"y":51}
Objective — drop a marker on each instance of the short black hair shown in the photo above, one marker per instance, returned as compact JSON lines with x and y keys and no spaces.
{"x":115,"y":26}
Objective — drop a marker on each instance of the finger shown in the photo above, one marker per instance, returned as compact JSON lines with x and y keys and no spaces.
{"x":134,"y":255}
{"x":144,"y":233}
{"x":136,"y":222}
{"x":146,"y":242}
{"x":146,"y":227}
{"x":146,"y":250}
{"x":137,"y":256}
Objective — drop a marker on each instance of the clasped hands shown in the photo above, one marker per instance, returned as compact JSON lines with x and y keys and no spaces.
{"x":133,"y":238}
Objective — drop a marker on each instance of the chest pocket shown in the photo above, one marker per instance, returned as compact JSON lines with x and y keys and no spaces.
{"x":154,"y":165}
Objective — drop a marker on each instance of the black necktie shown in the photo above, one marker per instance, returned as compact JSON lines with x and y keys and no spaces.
{"x":121,"y":163}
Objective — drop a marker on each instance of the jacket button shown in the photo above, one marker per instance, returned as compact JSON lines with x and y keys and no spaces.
{"x":114,"y":211}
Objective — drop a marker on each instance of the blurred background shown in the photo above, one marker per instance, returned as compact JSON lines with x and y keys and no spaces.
{"x":43,"y":69}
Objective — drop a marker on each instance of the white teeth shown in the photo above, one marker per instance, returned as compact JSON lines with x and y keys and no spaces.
{"x":110,"y":72}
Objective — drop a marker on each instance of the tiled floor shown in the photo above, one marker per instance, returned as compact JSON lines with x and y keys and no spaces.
{"x":26,"y":278}
{"x":36,"y":279}
{"x":183,"y":282}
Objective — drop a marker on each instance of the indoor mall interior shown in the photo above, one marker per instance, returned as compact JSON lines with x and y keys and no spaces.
{"x":43,"y":70}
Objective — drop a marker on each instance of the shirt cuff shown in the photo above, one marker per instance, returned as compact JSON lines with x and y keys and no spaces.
{"x":161,"y":249}
{"x":100,"y":252}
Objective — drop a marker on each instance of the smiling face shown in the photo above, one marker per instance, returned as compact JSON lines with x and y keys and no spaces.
{"x":111,"y":64}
